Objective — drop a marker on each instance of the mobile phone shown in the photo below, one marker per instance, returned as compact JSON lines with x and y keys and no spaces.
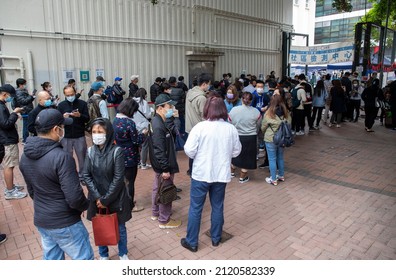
{"x":34,"y":91}
{"x":75,"y":110}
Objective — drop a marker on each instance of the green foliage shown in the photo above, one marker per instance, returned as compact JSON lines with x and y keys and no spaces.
{"x":377,"y":14}
{"x":342,"y":5}
{"x":154,"y":2}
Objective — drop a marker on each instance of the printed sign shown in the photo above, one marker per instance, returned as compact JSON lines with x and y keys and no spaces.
{"x":326,"y":54}
{"x":99,"y":72}
{"x":68,"y":74}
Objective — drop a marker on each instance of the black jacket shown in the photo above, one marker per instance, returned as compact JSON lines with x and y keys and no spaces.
{"x":162,"y":147}
{"x":53,"y":184}
{"x":24,"y":99}
{"x":369,"y":94}
{"x":119,"y":93}
{"x":32,"y":118}
{"x":178,"y":95}
{"x":104,"y":175}
{"x":132,"y":89}
{"x":155,"y":90}
{"x":338,"y":100}
{"x":77,"y":128}
{"x":8,"y":131}
{"x":346,"y":82}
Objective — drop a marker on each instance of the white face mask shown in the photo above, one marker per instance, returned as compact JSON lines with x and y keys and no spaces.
{"x":99,"y":138}
{"x":260,"y":90}
{"x":63,"y":134}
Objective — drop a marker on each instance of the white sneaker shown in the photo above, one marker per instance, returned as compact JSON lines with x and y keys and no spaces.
{"x":145,"y":166}
{"x":300,"y":133}
{"x":19,"y":188}
{"x":104,"y":258}
{"x":124,"y":257}
{"x":14,"y":194}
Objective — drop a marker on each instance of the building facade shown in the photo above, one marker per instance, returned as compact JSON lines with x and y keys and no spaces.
{"x":332,"y":26}
{"x":54,"y":40}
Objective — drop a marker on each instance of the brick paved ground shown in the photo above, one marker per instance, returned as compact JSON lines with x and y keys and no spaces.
{"x":338,"y":202}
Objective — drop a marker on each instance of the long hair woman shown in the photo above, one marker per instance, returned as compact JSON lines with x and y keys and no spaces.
{"x":274,"y":116}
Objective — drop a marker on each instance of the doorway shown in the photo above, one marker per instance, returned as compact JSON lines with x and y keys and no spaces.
{"x":196,"y":67}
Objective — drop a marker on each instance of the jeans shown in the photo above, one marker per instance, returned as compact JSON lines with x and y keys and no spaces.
{"x":197,"y":200}
{"x":122,"y":244}
{"x":162,"y":211}
{"x":25,"y":132}
{"x":317,"y":114}
{"x":275,"y":157}
{"x":356,"y":108}
{"x":72,"y":240}
{"x":80,"y":147}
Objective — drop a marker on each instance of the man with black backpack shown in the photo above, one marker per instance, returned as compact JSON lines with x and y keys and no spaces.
{"x":116,"y":95}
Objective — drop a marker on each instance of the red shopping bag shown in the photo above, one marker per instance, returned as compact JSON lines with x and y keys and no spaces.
{"x":105,"y":229}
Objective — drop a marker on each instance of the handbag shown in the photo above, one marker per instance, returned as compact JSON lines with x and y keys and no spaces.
{"x":105,"y":228}
{"x":166,"y":191}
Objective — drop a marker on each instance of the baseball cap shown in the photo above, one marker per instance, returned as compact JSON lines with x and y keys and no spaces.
{"x":8,"y":88}
{"x":118,"y":79}
{"x":96,"y":86}
{"x":133,"y":77}
{"x":48,"y":118}
{"x":100,"y":78}
{"x":163,"y":99}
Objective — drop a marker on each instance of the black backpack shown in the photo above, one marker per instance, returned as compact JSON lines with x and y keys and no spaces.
{"x":283,"y":137}
{"x":295,"y":101}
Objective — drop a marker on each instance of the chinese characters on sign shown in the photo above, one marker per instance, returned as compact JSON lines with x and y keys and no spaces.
{"x":327,"y":54}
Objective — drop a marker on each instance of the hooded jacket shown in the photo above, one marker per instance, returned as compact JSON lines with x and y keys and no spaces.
{"x":53,"y":184}
{"x":195,"y":102}
{"x":104,"y":175}
{"x":8,"y":131}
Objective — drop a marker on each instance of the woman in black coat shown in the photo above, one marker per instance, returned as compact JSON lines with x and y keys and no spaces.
{"x":104,"y":170}
{"x":369,"y":96}
{"x":338,"y":102}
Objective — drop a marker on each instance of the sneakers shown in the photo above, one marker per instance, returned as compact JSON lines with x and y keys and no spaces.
{"x":137,"y":208}
{"x":244,"y":180}
{"x":300,"y":133}
{"x":19,"y":188}
{"x":3,"y":238}
{"x":124,"y":257}
{"x":104,"y":258}
{"x":154,"y":218}
{"x":232,"y":175}
{"x":171,"y":224}
{"x":338,"y":125}
{"x":14,"y":194}
{"x":269,"y":181}
{"x":280,"y":178}
{"x":145,"y":166}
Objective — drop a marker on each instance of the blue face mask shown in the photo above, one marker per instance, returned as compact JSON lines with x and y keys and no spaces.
{"x":169,"y":113}
{"x":8,"y":99}
{"x":71,"y":98}
{"x":48,"y":103}
{"x":266,"y":88}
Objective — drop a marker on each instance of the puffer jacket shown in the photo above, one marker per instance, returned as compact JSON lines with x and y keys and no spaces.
{"x":24,"y":99}
{"x":53,"y":184}
{"x":8,"y":131}
{"x":104,"y":175}
{"x":178,"y":95}
{"x":162,"y":147}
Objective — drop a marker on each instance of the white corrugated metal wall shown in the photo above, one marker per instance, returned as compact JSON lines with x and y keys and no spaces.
{"x":126,"y":37}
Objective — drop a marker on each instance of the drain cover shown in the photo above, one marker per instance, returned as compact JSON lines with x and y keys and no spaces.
{"x":224,"y":236}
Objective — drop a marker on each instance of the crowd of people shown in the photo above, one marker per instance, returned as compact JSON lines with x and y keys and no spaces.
{"x":226,"y":125}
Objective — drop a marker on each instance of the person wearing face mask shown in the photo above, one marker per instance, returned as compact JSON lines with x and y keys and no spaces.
{"x":119,"y":92}
{"x":104,"y":172}
{"x":163,"y":159}
{"x":356,"y":99}
{"x":195,"y":102}
{"x":9,"y":139}
{"x":25,"y":100}
{"x":232,"y":98}
{"x":58,"y":198}
{"x":74,"y":140}
{"x":48,"y":88}
{"x":44,"y":102}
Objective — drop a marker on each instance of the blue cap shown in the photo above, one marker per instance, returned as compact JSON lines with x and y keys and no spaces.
{"x":118,"y":79}
{"x":97,"y":85}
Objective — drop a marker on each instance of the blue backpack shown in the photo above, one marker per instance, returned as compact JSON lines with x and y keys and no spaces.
{"x":110,"y":94}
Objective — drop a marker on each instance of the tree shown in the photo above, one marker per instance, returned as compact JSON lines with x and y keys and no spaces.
{"x":342,"y":5}
{"x":377,"y":13}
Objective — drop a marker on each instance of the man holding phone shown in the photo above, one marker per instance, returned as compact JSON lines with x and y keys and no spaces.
{"x":24,"y":100}
{"x":74,"y":136}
